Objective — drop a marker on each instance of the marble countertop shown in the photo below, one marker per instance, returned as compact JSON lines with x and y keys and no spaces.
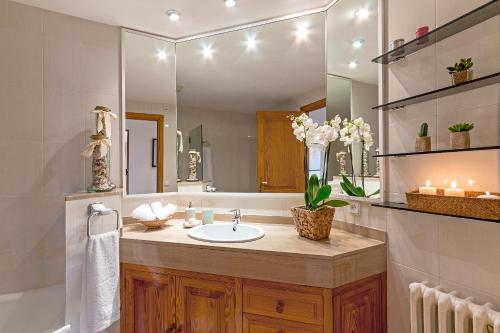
{"x":281,"y":255}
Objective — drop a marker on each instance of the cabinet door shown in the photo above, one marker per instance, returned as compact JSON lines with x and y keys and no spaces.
{"x":360,"y":307}
{"x":205,"y":305}
{"x":262,"y":324}
{"x":147,"y":302}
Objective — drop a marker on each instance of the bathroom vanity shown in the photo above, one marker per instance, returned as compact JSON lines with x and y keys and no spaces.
{"x":280,"y":283}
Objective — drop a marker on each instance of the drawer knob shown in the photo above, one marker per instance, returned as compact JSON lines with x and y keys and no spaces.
{"x":280,"y":306}
{"x":170,"y":329}
{"x":281,"y":330}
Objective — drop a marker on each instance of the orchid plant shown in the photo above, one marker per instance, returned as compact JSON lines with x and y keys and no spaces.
{"x":347,"y":131}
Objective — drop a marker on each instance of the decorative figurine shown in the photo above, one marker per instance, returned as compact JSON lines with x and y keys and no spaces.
{"x":377,"y":163}
{"x":341,"y":158}
{"x":194,"y":158}
{"x":99,"y":150}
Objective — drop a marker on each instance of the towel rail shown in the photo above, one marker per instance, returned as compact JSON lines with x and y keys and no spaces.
{"x":98,"y":209}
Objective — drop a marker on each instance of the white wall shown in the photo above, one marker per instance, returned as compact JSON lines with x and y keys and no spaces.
{"x":54,"y":69}
{"x":457,"y":254}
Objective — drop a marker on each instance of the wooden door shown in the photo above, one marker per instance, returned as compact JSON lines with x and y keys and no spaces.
{"x":148,"y":303}
{"x":280,"y":156}
{"x":205,"y":305}
{"x":359,"y":307}
{"x":262,"y":324}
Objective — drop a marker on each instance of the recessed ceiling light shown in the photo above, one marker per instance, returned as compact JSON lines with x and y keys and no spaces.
{"x":207,"y":51}
{"x":353,"y":64}
{"x":362,"y":13}
{"x":230,"y":3}
{"x":162,"y":55}
{"x":357,"y":43}
{"x":251,"y":43}
{"x":302,"y":32}
{"x":173,"y":15}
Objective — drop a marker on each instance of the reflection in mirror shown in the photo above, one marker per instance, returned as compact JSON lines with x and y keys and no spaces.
{"x":240,"y":86}
{"x":150,"y":104}
{"x":352,"y":87}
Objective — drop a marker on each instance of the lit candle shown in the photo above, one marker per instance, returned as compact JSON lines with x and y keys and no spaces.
{"x":427,"y":189}
{"x":454,"y":191}
{"x":488,"y":195}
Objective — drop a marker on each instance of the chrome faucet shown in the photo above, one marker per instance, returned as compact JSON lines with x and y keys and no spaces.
{"x":236,"y":218}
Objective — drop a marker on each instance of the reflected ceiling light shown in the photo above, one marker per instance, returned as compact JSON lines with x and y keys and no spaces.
{"x":362,"y":13}
{"x":357,"y":43}
{"x":207,"y":51}
{"x":302,"y":32}
{"x":230,"y":3}
{"x":251,"y":43}
{"x":162,"y":55}
{"x":173,"y":15}
{"x":353,"y":64}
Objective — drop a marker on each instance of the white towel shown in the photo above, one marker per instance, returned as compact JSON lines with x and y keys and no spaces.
{"x":101,"y":283}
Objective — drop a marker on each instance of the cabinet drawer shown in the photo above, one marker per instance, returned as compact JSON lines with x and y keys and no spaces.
{"x":293,"y":303}
{"x":261,"y":324}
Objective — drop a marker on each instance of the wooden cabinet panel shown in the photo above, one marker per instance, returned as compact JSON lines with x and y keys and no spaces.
{"x":205,"y":305}
{"x":360,"y":307}
{"x":283,"y":301}
{"x":261,"y":324}
{"x":147,"y":302}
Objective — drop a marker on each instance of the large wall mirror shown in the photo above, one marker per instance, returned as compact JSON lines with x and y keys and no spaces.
{"x":210,"y":113}
{"x":150,"y":114}
{"x":235,"y":91}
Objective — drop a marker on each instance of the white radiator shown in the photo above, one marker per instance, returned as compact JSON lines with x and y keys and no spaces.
{"x":435,"y":311}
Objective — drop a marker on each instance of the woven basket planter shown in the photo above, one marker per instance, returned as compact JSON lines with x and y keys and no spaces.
{"x":461,"y":77}
{"x":313,"y":225}
{"x":468,"y":206}
{"x":459,"y":140}
{"x":423,"y":143}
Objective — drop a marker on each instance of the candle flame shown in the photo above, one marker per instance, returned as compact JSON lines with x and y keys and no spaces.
{"x":428,"y":183}
{"x":453,"y":184}
{"x":488,"y":193}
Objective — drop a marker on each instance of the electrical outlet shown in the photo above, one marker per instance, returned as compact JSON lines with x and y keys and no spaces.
{"x":355,"y":208}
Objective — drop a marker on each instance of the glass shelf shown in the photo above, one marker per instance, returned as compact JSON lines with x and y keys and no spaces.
{"x":438,"y":151}
{"x":442,"y":92}
{"x":403,"y":206}
{"x":451,"y":28}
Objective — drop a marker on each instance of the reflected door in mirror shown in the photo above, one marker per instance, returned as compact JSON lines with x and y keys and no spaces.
{"x":280,"y":156}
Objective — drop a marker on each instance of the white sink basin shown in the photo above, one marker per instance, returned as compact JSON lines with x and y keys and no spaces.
{"x":223,"y":233}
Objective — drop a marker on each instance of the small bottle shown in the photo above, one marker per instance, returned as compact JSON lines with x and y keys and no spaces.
{"x":190,"y":212}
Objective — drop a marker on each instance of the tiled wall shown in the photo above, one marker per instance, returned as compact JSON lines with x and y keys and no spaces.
{"x":458,"y":254}
{"x":53,"y":70}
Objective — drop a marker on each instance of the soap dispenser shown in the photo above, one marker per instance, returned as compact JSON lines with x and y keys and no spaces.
{"x":190,"y":212}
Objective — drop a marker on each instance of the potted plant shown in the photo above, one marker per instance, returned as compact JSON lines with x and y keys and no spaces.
{"x":423,"y":141}
{"x":461,"y":72}
{"x":459,"y":135}
{"x":314,"y":220}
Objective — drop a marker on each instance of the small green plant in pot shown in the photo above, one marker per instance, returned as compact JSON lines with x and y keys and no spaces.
{"x":314,"y":220}
{"x":423,"y":140}
{"x":462,"y":71}
{"x":459,"y":135}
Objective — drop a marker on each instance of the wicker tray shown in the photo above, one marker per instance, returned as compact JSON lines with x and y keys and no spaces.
{"x":156,"y":224}
{"x":468,"y":206}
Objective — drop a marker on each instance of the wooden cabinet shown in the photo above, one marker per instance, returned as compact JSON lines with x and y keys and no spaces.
{"x":148,"y":302}
{"x":158,"y":300}
{"x":205,"y":305}
{"x":360,"y":307}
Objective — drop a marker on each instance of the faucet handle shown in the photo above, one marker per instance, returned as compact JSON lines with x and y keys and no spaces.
{"x":236,"y":213}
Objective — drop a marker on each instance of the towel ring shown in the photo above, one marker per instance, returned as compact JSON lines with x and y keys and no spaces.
{"x":98,"y":209}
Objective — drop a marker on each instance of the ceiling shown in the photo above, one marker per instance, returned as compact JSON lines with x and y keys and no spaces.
{"x":198,"y":16}
{"x":282,"y":72}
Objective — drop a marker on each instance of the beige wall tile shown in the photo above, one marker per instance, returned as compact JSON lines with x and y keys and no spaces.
{"x":101,"y":69}
{"x":447,"y":10}
{"x":402,"y":25}
{"x":398,"y":295}
{"x":469,"y":253}
{"x":464,"y":292}
{"x":63,"y":64}
{"x":20,"y":17}
{"x":413,"y":241}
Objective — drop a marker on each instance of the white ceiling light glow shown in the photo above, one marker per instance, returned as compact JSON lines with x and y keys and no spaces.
{"x":362,"y":13}
{"x":353,"y":64}
{"x":173,"y":15}
{"x":207,"y":51}
{"x":162,"y":55}
{"x":251,"y":43}
{"x":302,"y":32}
{"x":230,"y":3}
{"x":357,"y":43}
